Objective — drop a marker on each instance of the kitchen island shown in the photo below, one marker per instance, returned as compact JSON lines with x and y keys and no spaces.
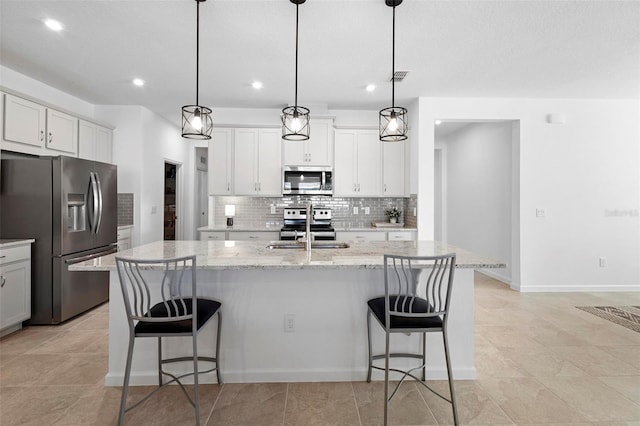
{"x":293,"y":315}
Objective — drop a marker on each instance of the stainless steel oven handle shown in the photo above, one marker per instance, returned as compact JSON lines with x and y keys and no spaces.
{"x":90,"y":256}
{"x":97,"y":178}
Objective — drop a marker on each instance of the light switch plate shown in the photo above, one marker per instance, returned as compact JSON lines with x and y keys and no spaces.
{"x":273,"y":209}
{"x":355,"y":210}
{"x":367,"y":210}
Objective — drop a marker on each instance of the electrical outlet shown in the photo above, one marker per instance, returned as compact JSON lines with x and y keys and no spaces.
{"x":273,"y":209}
{"x":154,"y":209}
{"x":367,"y":210}
{"x":355,"y":209}
{"x":289,"y":323}
{"x":602,"y":262}
{"x":540,"y":212}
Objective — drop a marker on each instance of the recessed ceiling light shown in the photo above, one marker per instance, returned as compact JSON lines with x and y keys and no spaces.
{"x":438,"y":122}
{"x":257,"y":85}
{"x":138,"y":82}
{"x":54,"y":25}
{"x":371,"y":87}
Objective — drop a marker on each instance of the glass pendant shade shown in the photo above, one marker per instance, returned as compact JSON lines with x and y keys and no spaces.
{"x":196,"y":122}
{"x":393,"y":124}
{"x":295,"y":123}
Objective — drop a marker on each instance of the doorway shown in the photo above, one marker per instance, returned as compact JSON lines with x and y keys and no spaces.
{"x":170,"y":197}
{"x":202,"y":189}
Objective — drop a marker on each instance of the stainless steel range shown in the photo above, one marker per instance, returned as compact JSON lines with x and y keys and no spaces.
{"x":295,"y":222}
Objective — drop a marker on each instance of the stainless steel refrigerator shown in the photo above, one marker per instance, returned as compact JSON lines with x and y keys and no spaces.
{"x":69,"y":205}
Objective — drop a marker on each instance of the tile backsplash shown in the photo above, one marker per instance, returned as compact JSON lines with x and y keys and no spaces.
{"x":125,"y":209}
{"x":252,"y":210}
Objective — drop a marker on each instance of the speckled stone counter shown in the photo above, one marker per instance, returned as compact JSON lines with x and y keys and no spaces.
{"x":325,"y":291}
{"x":6,"y":243}
{"x":226,"y":255}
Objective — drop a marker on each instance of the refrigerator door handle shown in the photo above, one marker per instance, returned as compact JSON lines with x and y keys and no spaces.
{"x":94,"y":204}
{"x":97,"y":178}
{"x":91,"y":256}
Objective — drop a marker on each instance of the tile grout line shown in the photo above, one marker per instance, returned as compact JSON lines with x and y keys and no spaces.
{"x":214,"y":404}
{"x":286,"y":398}
{"x":355,"y":401}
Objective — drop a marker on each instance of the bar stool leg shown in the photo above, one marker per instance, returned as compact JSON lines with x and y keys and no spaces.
{"x":125,"y":384}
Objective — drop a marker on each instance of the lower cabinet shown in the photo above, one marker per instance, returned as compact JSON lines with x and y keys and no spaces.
{"x":212,"y":235}
{"x":401,"y":235}
{"x":361,"y":236}
{"x":124,"y":238}
{"x":254,"y":235}
{"x":15,"y":287}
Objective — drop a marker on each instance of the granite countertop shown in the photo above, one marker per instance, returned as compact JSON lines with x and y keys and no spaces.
{"x":256,"y":255}
{"x":258,"y":226}
{"x":4,"y":243}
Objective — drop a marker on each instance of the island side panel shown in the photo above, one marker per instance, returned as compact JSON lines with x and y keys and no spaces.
{"x":329,"y":342}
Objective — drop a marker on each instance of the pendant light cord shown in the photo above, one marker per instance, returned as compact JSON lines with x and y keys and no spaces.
{"x":393,"y":61}
{"x":296,"y":95}
{"x":197,"y":48}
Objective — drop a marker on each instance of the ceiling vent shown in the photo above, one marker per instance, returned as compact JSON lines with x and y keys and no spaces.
{"x":399,"y":76}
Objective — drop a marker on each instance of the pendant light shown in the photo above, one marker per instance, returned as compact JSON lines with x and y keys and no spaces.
{"x":393,"y":120}
{"x":196,"y":119}
{"x":295,"y":119}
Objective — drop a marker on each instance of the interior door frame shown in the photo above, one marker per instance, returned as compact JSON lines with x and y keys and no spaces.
{"x":179,"y":197}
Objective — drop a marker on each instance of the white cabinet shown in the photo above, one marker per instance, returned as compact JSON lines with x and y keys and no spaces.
{"x":361,"y":236}
{"x":15,"y":286}
{"x":24,"y":123}
{"x":95,"y":142}
{"x":256,"y":164}
{"x":357,"y":163}
{"x":317,"y":151}
{"x":124,"y":238}
{"x":253,"y":235}
{"x":213,"y":235}
{"x":401,"y":235}
{"x":393,"y":177}
{"x":220,"y":162}
{"x":34,"y":129}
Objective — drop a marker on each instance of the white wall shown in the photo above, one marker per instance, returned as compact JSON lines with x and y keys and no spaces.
{"x":478,"y":192}
{"x":36,"y":89}
{"x":585,"y":174}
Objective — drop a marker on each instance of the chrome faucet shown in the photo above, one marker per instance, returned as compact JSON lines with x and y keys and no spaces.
{"x":308,"y":230}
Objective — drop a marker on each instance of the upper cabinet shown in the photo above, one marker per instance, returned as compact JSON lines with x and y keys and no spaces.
{"x":32,"y":128}
{"x":256,"y":165}
{"x":393,"y":176}
{"x":24,"y":124}
{"x":220,"y":162}
{"x":94,"y":142}
{"x":317,"y":151}
{"x":357,"y":163}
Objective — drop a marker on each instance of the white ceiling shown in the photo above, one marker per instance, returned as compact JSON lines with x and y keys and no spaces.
{"x":514,"y":48}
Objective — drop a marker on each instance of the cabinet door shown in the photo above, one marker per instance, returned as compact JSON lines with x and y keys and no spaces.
{"x":344,"y":179}
{"x":393,"y":169}
{"x":294,"y":153}
{"x":86,"y":140}
{"x":24,"y":121}
{"x":320,"y":146}
{"x":220,"y":162}
{"x":254,"y":235}
{"x":15,"y":293}
{"x":245,"y":161}
{"x":369,"y":164}
{"x":212,"y":235}
{"x":361,"y":236}
{"x":104,"y":145}
{"x":269,"y":169}
{"x":62,"y":132}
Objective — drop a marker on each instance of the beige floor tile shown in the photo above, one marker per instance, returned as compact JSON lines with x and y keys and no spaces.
{"x":541,"y":362}
{"x":473,"y":403}
{"x":490,"y":362}
{"x":29,"y":370}
{"x":74,"y":341}
{"x":321,"y":404}
{"x":508,"y":336}
{"x":628,"y":354}
{"x":526,"y":400}
{"x":595,"y":362}
{"x":77,"y":369}
{"x":250,"y":404}
{"x":629,"y":386}
{"x":594,"y":400}
{"x":98,"y":406}
{"x":26,"y":339}
{"x":38,"y":405}
{"x":407,"y":406}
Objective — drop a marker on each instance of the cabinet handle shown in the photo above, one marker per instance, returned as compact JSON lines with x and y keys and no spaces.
{"x":355,"y":188}
{"x":358,"y":187}
{"x":253,"y":237}
{"x":228,"y":186}
{"x":4,"y":280}
{"x":385,"y":187}
{"x":259,"y":186}
{"x":41,"y":135}
{"x":255,"y":186}
{"x":50,"y":137}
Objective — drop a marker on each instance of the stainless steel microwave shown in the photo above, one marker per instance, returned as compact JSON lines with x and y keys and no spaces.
{"x":307,"y":180}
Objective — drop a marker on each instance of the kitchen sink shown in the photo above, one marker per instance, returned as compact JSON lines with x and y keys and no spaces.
{"x":314,"y":245}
